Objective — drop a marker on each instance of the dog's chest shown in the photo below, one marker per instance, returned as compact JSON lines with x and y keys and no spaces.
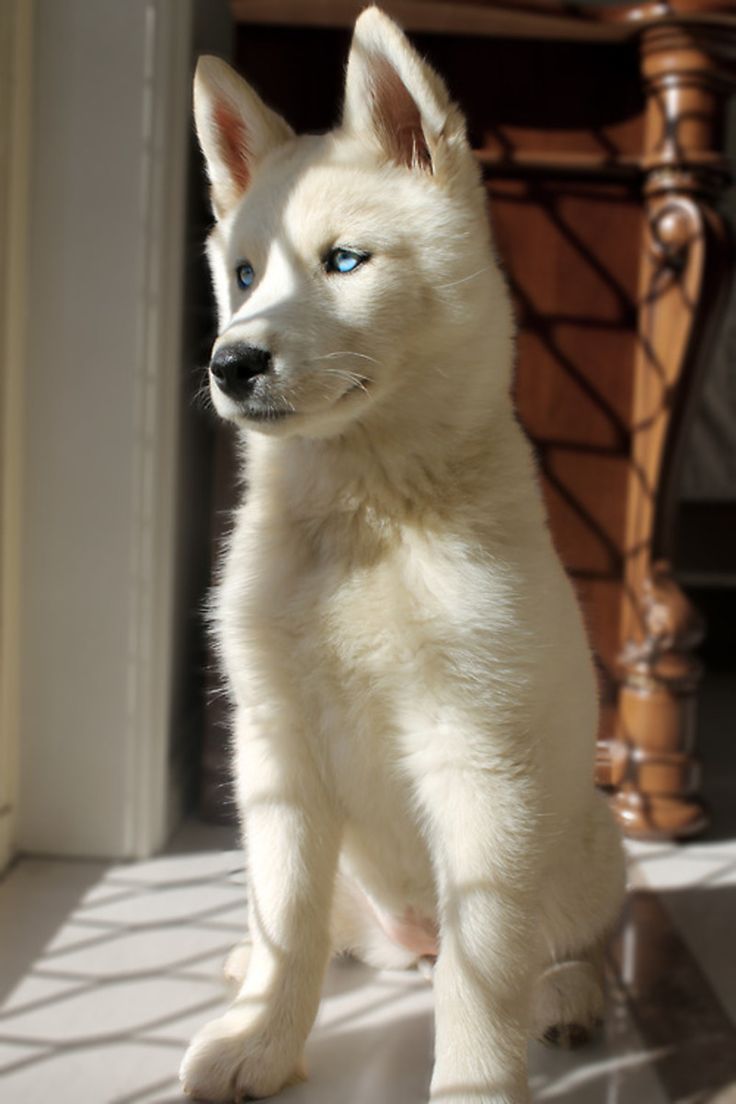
{"x":386,"y":625}
{"x":365,"y":630}
{"x":380,"y":650}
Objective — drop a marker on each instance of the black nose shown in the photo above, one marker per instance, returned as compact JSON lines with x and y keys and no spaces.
{"x":234,"y":367}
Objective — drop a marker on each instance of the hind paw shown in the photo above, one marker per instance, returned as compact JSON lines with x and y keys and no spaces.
{"x":568,"y":1005}
{"x":570,"y":1036}
{"x":236,"y":963}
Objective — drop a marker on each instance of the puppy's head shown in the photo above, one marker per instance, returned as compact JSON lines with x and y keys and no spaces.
{"x":337,"y":259}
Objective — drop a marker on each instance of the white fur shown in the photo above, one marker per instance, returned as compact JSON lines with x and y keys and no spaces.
{"x":414,"y":695}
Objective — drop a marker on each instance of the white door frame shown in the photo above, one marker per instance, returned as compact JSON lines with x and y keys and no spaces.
{"x":106,"y":238}
{"x":15,"y":105}
{"x":153,"y":805}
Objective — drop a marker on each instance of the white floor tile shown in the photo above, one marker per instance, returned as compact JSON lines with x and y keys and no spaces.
{"x":162,"y":949}
{"x":167,"y":905}
{"x":118,"y":1072}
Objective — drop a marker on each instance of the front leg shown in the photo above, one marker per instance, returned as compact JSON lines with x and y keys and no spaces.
{"x":481,"y":837}
{"x":292,"y":836}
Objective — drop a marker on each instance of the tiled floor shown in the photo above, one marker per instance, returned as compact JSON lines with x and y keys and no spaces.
{"x":105,"y":972}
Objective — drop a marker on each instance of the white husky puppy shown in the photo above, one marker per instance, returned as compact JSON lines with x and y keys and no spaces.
{"x":415,"y":706}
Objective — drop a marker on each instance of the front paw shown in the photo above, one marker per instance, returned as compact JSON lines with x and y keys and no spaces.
{"x":228,"y":1060}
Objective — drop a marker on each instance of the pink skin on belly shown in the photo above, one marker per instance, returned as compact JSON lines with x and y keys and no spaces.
{"x":413,"y":932}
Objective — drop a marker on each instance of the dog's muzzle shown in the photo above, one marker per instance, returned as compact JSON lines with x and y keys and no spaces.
{"x":235,"y":367}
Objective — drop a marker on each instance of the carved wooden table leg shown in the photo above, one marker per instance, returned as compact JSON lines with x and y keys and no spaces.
{"x":682,"y":286}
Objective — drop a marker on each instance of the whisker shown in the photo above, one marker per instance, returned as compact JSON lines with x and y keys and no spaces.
{"x":463,"y":280}
{"x":344,"y":372}
{"x":345,"y":352}
{"x":350,"y":377}
{"x":201,"y":397}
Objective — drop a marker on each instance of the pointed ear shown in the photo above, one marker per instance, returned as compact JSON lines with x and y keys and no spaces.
{"x":396,"y":98}
{"x":235,"y":130}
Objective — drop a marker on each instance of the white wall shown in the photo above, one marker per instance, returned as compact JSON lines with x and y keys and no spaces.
{"x":111,"y":116}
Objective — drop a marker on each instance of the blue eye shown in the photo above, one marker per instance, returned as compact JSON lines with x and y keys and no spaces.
{"x":344,"y":260}
{"x":245,"y":275}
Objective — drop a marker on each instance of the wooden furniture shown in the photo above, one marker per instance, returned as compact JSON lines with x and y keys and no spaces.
{"x":601,"y":134}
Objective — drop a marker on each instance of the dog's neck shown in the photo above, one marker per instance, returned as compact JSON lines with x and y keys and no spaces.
{"x":405,"y":459}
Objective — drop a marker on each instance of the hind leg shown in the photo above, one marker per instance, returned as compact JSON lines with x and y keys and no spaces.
{"x":235,"y":966}
{"x":354,"y":930}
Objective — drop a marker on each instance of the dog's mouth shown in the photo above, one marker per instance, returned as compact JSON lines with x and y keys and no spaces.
{"x":270,"y":415}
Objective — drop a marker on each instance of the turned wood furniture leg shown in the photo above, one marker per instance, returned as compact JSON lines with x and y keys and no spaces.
{"x":682,"y":285}
{"x":658,"y":791}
